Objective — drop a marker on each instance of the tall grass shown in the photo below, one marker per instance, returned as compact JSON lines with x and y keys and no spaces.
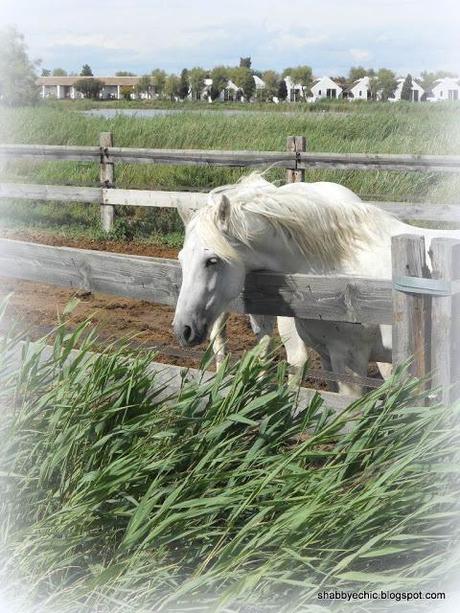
{"x":117,"y":497}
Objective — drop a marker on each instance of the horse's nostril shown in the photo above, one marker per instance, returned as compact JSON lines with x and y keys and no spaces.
{"x":187,"y":333}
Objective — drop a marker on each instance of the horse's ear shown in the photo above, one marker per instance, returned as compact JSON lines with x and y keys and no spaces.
{"x":223,"y":213}
{"x":186,"y":213}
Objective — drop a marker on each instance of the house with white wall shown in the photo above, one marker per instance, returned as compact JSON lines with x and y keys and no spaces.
{"x":325,"y":87}
{"x":445,"y":89}
{"x":417,"y":91}
{"x":295,"y":91}
{"x":259,"y":83}
{"x":361,"y":89}
{"x":231,"y":92}
{"x":64,"y":87}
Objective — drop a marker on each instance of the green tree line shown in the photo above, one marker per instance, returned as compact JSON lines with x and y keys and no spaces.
{"x":18,"y":76}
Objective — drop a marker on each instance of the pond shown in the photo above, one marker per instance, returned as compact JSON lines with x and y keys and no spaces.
{"x":148,"y":113}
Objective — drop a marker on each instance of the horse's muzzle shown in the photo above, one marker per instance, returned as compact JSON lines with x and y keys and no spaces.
{"x":189,"y":335}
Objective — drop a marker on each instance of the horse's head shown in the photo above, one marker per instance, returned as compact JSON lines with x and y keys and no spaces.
{"x":209,"y":281}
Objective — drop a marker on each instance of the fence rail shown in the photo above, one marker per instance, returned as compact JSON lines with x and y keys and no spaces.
{"x":194,"y":200}
{"x":295,"y":160}
{"x":336,"y":298}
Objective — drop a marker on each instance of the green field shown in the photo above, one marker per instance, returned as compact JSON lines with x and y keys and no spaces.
{"x":336,"y":127}
{"x":216,"y":499}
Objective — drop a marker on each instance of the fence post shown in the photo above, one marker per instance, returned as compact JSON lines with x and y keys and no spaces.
{"x":296,"y":144}
{"x":107,"y":178}
{"x":411,"y":311}
{"x":445,"y":318}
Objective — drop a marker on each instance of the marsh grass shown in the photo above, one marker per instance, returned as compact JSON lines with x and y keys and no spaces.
{"x":376,"y":128}
{"x":117,"y":498}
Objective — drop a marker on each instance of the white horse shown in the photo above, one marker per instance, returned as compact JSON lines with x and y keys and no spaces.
{"x":311,"y":228}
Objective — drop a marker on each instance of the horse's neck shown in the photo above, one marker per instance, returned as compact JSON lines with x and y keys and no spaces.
{"x":278,"y":257}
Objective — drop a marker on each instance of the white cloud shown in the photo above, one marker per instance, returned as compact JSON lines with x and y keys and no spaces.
{"x":88,"y":40}
{"x":360,"y":55}
{"x":329,"y":35}
{"x":286,"y":40}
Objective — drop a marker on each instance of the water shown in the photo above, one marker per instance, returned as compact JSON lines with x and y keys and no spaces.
{"x":149,"y":113}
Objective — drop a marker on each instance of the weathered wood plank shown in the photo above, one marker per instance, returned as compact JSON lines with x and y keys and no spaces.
{"x":411,"y":312}
{"x":194,"y":200}
{"x":377,"y":161}
{"x":138,"y":197}
{"x":445,"y":321}
{"x":107,"y":179}
{"x":408,"y":211}
{"x":50,"y":152}
{"x":337,"y":298}
{"x":58,"y":193}
{"x":400,"y":162}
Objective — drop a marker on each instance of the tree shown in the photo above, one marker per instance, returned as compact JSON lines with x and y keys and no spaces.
{"x":46,"y":72}
{"x":184,"y":85}
{"x":196,"y":79}
{"x":302,"y":75}
{"x":86,"y":71}
{"x":245,"y":62}
{"x":126,"y":92}
{"x":219,"y":76}
{"x":385,"y":83}
{"x":341,"y":80}
{"x":59,"y":72}
{"x":242,"y":77}
{"x":90,"y":88}
{"x":406,"y":91}
{"x":144,"y":85}
{"x":272,"y":83}
{"x":158,"y":81}
{"x":18,"y":85}
{"x":356,"y":72}
{"x":125,"y":73}
{"x":282,"y":90}
{"x":172,"y":85}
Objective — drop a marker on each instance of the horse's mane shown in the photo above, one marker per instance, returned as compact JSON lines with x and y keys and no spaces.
{"x":325,"y":229}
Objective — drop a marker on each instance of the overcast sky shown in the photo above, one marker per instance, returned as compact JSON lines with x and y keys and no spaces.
{"x":329,"y":35}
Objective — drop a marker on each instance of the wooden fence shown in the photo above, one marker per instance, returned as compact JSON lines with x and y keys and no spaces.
{"x":423,"y":308}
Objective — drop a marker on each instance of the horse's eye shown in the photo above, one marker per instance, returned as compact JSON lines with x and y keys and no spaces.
{"x":211,"y":261}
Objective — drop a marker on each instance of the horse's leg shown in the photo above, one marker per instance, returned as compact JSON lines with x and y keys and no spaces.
{"x":385,"y":369}
{"x":262,"y":326}
{"x":218,"y":338}
{"x":296,"y":350}
{"x":327,"y":367}
{"x":351,"y":360}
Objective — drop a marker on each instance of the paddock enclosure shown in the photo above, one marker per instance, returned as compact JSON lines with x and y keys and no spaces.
{"x":423,"y":307}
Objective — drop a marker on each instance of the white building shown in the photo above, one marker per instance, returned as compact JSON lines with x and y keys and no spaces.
{"x":361,"y":89}
{"x":446,"y":89}
{"x":64,"y":87}
{"x":417,"y":91}
{"x":231,"y":92}
{"x":205,"y":93}
{"x":295,"y":91}
{"x":260,"y":83}
{"x":325,"y":87}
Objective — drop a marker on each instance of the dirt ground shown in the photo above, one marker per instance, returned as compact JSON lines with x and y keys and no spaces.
{"x":36,"y":307}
